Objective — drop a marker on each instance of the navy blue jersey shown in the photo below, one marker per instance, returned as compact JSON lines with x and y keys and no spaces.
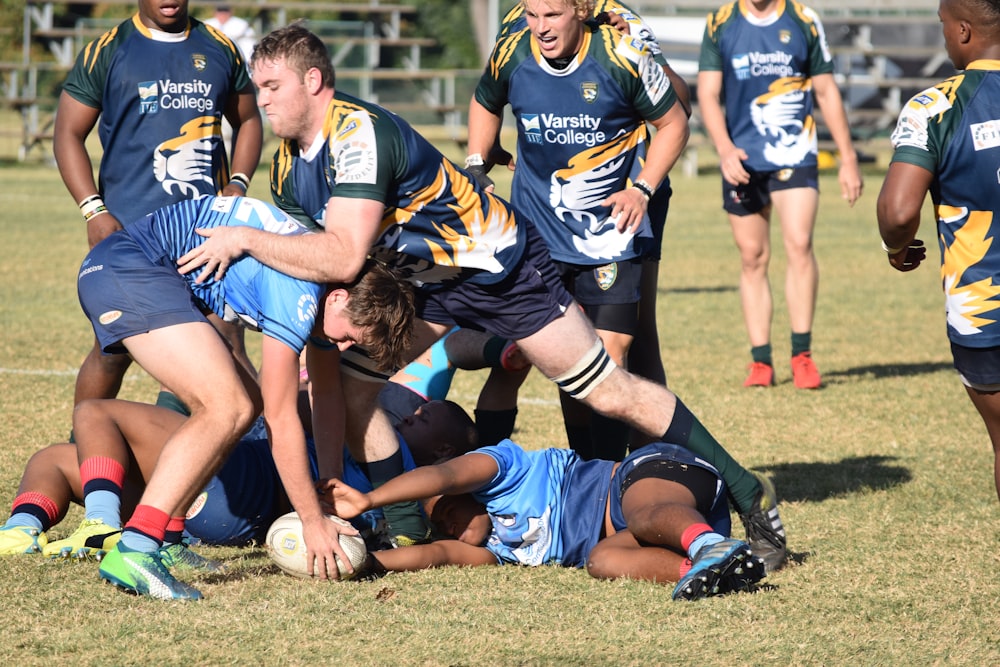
{"x":161,"y":97}
{"x":953,"y":131}
{"x":766,"y":66}
{"x":581,"y":136}
{"x":439,"y":226}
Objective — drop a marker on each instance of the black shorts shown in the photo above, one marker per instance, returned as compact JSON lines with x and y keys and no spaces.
{"x":609,"y":294}
{"x":978,"y":365}
{"x":756,"y":195}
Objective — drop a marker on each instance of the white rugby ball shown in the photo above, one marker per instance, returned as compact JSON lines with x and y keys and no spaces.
{"x":287,"y":547}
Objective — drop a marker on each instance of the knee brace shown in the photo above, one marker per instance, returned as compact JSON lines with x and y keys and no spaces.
{"x":592,"y":369}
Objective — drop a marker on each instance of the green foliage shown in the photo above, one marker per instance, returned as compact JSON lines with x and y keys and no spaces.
{"x":450,"y":24}
{"x":884,"y":476}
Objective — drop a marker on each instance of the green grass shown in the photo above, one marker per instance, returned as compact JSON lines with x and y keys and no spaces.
{"x":885,"y":478}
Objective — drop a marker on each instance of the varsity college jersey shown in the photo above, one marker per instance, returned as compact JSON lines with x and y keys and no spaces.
{"x":161,"y":98}
{"x":251,"y":294}
{"x":547,"y":506}
{"x":766,"y":66}
{"x":953,"y":131}
{"x":581,"y":136}
{"x":438,"y":225}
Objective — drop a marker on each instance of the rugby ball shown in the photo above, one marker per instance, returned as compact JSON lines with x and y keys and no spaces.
{"x":287,"y":547}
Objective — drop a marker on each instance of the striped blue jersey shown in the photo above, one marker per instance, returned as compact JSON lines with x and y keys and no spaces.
{"x":250,"y":293}
{"x":161,"y":98}
{"x":439,"y":226}
{"x":528,"y":499}
{"x":581,"y":136}
{"x":953,"y":131}
{"x":766,"y":66}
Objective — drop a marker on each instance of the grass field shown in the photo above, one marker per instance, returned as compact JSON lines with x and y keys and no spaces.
{"x":884,"y":474}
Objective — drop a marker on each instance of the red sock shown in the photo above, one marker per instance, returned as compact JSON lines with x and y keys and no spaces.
{"x":692,"y":532}
{"x":101,"y":468}
{"x":684,"y":568}
{"x":149,"y":521}
{"x":38,"y":505}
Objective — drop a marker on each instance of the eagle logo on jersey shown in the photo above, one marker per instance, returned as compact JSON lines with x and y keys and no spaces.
{"x":775,"y":114}
{"x":966,"y":303}
{"x":184,"y":163}
{"x":199,"y":61}
{"x":589,"y":90}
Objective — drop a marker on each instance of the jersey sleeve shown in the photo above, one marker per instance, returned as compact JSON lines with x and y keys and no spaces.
{"x":86,"y":81}
{"x":289,"y":308}
{"x":820,"y":57}
{"x":710,"y":55}
{"x":367,"y":154}
{"x":491,"y":91}
{"x":915,"y":139}
{"x":640,"y":76}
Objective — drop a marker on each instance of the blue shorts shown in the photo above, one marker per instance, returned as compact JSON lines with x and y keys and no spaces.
{"x":125,"y":294}
{"x":978,"y":365}
{"x":716,"y":515}
{"x":522,"y":304}
{"x":240,"y":502}
{"x":756,"y":195}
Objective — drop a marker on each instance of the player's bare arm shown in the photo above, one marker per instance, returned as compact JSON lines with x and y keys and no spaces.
{"x":713,"y":117}
{"x":335,"y":255}
{"x":279,"y":377}
{"x":459,"y":475}
{"x":436,"y":554}
{"x":74,"y":123}
{"x":244,"y":116}
{"x":665,"y":148}
{"x":898,"y":209}
{"x":831,"y":104}
{"x":484,"y":128}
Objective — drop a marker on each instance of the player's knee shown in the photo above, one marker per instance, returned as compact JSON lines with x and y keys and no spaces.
{"x":601,"y":563}
{"x":588,"y":373}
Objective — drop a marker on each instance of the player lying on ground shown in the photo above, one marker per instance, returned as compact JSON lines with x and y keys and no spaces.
{"x":660,"y":515}
{"x":235,"y":508}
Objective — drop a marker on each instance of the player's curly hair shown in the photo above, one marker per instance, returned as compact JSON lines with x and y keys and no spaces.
{"x":299,"y":48}
{"x":583,"y":9}
{"x":382,"y":304}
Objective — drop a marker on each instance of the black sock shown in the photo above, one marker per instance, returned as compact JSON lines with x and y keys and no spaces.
{"x":580,"y":441}
{"x":609,"y":437}
{"x":762,"y":354}
{"x":494,"y":425}
{"x":801,"y":342}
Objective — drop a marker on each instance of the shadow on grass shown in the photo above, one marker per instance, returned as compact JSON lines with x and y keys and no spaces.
{"x":814,"y":482}
{"x":713,"y":289}
{"x":887,"y":371}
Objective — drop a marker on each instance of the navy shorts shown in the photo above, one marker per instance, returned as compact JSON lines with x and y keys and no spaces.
{"x":978,"y":365}
{"x":522,"y":304}
{"x":716,"y":511}
{"x":756,"y":195}
{"x":125,"y":294}
{"x":608,"y":294}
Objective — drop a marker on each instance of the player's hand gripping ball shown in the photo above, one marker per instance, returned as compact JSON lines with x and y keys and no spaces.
{"x":287,"y":547}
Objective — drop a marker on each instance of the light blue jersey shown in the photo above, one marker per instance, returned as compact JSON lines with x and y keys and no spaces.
{"x":251,"y":294}
{"x":766,"y":66}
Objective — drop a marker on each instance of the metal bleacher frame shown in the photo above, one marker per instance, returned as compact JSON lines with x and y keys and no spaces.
{"x":373,"y":56}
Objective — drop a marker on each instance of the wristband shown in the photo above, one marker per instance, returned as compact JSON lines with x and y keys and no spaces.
{"x":241,"y":180}
{"x":643,"y":187}
{"x":891,"y":251}
{"x":476,"y":167}
{"x":92,"y":206}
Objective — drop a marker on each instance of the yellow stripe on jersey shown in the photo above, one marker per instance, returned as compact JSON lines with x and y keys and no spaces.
{"x":720,"y":17}
{"x":281,"y":166}
{"x":615,"y":43}
{"x":91,"y":51}
{"x":221,"y":38}
{"x":972,"y":242}
{"x":503,"y":51}
{"x":590,"y":160}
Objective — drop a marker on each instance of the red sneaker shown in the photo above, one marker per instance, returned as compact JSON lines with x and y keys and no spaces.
{"x":761,"y":375}
{"x":804,"y":371}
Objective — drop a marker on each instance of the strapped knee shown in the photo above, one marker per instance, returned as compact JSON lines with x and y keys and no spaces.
{"x":355,"y":362}
{"x":592,"y":369}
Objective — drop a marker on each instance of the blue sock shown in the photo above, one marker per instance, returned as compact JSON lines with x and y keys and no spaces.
{"x":702,"y":541}
{"x":133,"y":540}
{"x":23,"y":519}
{"x":105,"y":506}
